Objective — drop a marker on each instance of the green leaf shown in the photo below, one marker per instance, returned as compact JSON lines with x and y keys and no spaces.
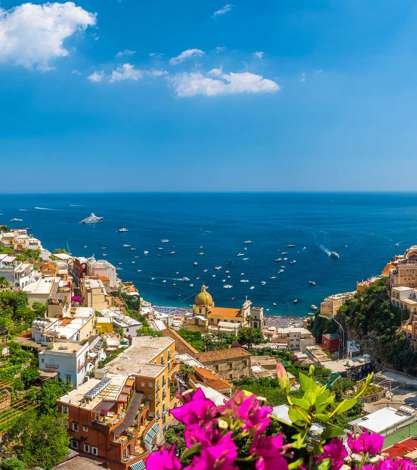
{"x":324,"y":464}
{"x":295,"y":464}
{"x":344,"y":406}
{"x":306,"y":383}
{"x":299,"y":416}
{"x":301,"y":402}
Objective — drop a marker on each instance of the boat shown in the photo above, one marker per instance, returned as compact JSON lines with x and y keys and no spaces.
{"x":240,"y":254}
{"x":314,"y":307}
{"x":92,"y":219}
{"x":295,"y":301}
{"x":145,"y":252}
{"x":334,"y":255}
{"x":248,"y":242}
{"x":16,"y":219}
{"x":252,"y":287}
{"x":245,"y":259}
{"x":293,"y":261}
{"x":217,"y":268}
{"x":312,"y":283}
{"x":227,"y":286}
{"x":263,"y":282}
{"x":126,"y":245}
{"x":195,"y":263}
{"x":172,"y":252}
{"x":244,"y":280}
{"x":201,"y":253}
{"x":122,"y":229}
{"x":165,"y":240}
{"x":291,"y":245}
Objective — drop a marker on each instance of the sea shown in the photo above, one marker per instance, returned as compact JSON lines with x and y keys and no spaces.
{"x":262,"y":246}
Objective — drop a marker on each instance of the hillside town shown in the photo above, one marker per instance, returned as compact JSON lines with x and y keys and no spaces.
{"x":121,"y":364}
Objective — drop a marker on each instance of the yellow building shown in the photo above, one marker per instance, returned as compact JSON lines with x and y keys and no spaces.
{"x":223,"y":319}
{"x":104,"y":325}
{"x":152,"y":362}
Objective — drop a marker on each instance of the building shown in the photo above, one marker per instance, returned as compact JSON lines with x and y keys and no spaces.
{"x":72,"y":362}
{"x":224,"y":320}
{"x":20,"y":240}
{"x":109,"y":421}
{"x":42,"y":290}
{"x":403,"y":270}
{"x":18,"y":274}
{"x":77,"y":328}
{"x":385,"y":421}
{"x":152,"y":361}
{"x":104,"y":271}
{"x":93,"y":293}
{"x":294,"y":337}
{"x":331,"y":342}
{"x":229,"y":364}
{"x":331,"y":305}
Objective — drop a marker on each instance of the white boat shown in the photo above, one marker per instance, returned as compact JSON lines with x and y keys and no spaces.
{"x":16,"y":219}
{"x":172,"y":252}
{"x":293,"y":261}
{"x":165,"y":240}
{"x":312,"y":283}
{"x":122,"y":229}
{"x":145,"y":252}
{"x":314,"y":307}
{"x":263,"y":282}
{"x":252,"y":287}
{"x":126,"y":245}
{"x":248,"y":242}
{"x":295,"y":301}
{"x":334,"y":255}
{"x":217,"y":268}
{"x":92,"y":219}
{"x":240,"y":254}
{"x":227,"y":286}
{"x":195,"y":263}
{"x":291,"y":245}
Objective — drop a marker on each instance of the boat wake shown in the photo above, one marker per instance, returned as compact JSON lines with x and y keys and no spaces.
{"x":325,"y":250}
{"x":44,"y":208}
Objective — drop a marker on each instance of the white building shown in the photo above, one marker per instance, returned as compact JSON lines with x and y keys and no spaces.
{"x":42,"y":290}
{"x":385,"y":421}
{"x":18,"y":274}
{"x":71,"y":361}
{"x":104,"y":271}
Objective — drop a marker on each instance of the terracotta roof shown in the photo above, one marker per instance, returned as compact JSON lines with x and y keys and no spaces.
{"x":222,"y":355}
{"x":222,"y":312}
{"x":401,"y":449}
{"x":211,"y":379}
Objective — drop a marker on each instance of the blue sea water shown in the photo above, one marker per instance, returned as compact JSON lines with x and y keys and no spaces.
{"x":364,"y":229}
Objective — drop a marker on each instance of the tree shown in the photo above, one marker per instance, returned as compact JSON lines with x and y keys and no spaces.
{"x":148,"y":331}
{"x":47,"y":396}
{"x":249,"y":336}
{"x":12,"y":464}
{"x":4,"y":283}
{"x":40,"y":440}
{"x":29,"y":376}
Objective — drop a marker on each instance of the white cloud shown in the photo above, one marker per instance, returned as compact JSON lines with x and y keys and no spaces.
{"x":259,"y":55}
{"x":185,"y":55}
{"x":125,"y":72}
{"x":96,"y":77}
{"x":125,"y":53}
{"x":215,"y":83}
{"x":223,"y":10}
{"x":33,"y":35}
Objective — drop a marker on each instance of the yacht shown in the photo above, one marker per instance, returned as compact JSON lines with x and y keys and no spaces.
{"x":240,"y":254}
{"x":92,"y":219}
{"x":16,"y":219}
{"x":248,"y":242}
{"x":334,"y":255}
{"x":291,"y":245}
{"x":312,"y":283}
{"x":172,"y":252}
{"x":227,"y":286}
{"x":295,"y":301}
{"x":145,"y":252}
{"x":122,"y":229}
{"x":314,"y":307}
{"x":165,"y":240}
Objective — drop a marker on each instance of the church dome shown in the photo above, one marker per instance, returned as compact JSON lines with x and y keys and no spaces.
{"x":204,"y":298}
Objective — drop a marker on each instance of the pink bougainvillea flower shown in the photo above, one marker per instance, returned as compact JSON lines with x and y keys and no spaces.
{"x":336,"y":451}
{"x":366,"y":443}
{"x":216,"y":457}
{"x":206,"y":435}
{"x":395,"y":464}
{"x":198,"y":410}
{"x":248,"y":409}
{"x":268,"y":451}
{"x":163,"y":459}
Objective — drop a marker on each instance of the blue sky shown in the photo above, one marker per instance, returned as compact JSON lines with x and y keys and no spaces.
{"x":208,"y":95}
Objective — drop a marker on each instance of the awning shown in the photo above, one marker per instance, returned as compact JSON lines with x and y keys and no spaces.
{"x":138,"y":466}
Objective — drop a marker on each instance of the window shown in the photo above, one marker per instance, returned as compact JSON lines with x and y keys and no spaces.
{"x":65,"y":409}
{"x":87,"y":448}
{"x":74,"y":444}
{"x":74,"y":426}
{"x":68,"y":378}
{"x":85,"y":428}
{"x":94,"y":450}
